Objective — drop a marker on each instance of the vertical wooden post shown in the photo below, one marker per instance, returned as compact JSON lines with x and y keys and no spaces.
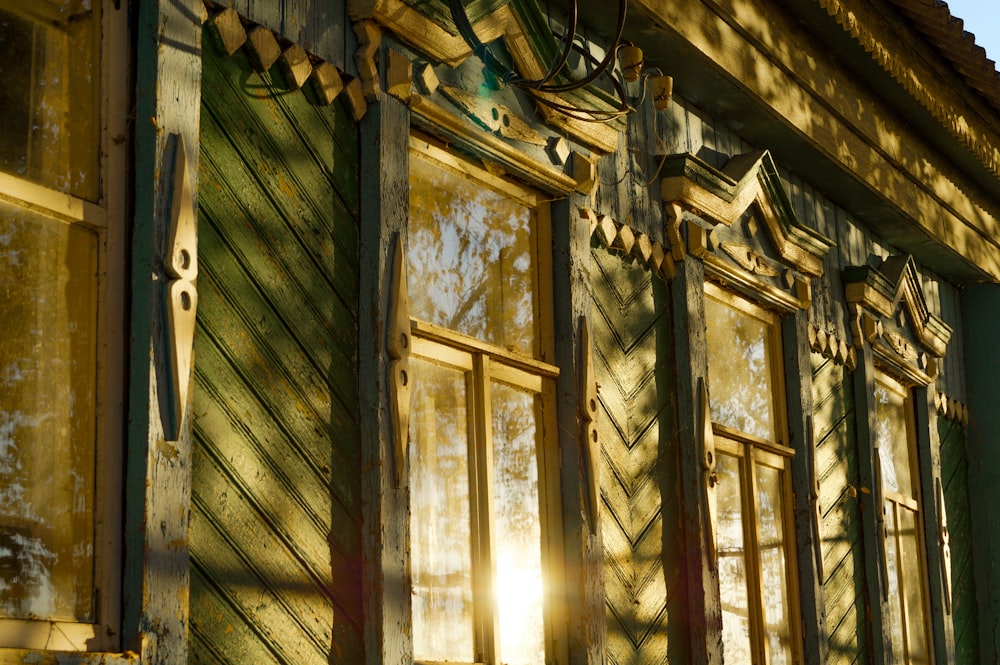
{"x":702,"y":579}
{"x":872,"y":525}
{"x":385,"y":132}
{"x":798,"y":394}
{"x":929,"y":460}
{"x":158,"y":473}
{"x":980,"y":314}
{"x":584,"y":555}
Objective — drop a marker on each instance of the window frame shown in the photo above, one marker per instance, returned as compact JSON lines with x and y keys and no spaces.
{"x":895,"y":501}
{"x":105,"y":217}
{"x":747,"y":449}
{"x":484,"y":363}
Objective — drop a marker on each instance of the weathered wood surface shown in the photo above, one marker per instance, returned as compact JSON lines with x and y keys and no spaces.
{"x":640,"y":483}
{"x":318,"y":26}
{"x":584,"y":551}
{"x":836,"y":453}
{"x":955,"y":478}
{"x":275,"y":516}
{"x":155,"y":578}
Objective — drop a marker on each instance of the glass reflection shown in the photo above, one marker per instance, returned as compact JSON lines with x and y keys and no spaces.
{"x":48,"y":312}
{"x":891,"y":439}
{"x":774,"y":567}
{"x":896,"y":582}
{"x":518,"y":527}
{"x":440,"y":532}
{"x":470,"y":264}
{"x":909,"y":550}
{"x":732,"y":561}
{"x":48,"y":61}
{"x":740,"y":370}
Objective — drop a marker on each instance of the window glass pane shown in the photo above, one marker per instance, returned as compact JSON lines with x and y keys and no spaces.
{"x":896,"y":583}
{"x":740,"y":370}
{"x":891,"y":420}
{"x":518,"y":533}
{"x":440,"y":527}
{"x":48,"y":315}
{"x":49,"y":100}
{"x":912,"y":574}
{"x":732,"y":561}
{"x":471,"y":267}
{"x":774,"y":565}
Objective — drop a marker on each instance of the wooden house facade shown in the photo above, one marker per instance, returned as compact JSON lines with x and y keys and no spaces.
{"x":499,"y":332}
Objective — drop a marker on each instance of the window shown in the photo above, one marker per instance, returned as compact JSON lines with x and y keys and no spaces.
{"x":61,"y":313}
{"x":904,"y":562}
{"x":753,"y":529}
{"x":478,"y":473}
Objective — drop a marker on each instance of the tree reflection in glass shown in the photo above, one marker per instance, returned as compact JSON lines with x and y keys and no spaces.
{"x":470,"y":261}
{"x":740,"y":370}
{"x":773,"y":563}
{"x":440,"y":537}
{"x":732,"y":562}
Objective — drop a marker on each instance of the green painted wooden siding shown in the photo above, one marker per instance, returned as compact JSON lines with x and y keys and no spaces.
{"x":955,"y":477}
{"x":835,"y":438}
{"x":275,"y":516}
{"x":639,"y":478}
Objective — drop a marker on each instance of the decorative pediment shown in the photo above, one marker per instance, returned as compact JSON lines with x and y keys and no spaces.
{"x":890,"y":312}
{"x":739,"y":221}
{"x":521,"y":30}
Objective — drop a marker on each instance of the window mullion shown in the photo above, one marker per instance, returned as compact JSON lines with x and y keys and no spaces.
{"x":485,"y":563}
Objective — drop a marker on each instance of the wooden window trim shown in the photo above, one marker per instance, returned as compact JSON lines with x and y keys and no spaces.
{"x":896,"y":501}
{"x":750,"y":450}
{"x":22,"y":639}
{"x":485,"y":363}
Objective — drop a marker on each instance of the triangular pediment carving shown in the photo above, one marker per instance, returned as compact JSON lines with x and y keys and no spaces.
{"x":740,"y":222}
{"x":890,"y":312}
{"x":517,"y":27}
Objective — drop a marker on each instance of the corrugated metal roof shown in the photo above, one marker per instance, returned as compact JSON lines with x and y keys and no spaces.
{"x":947,"y":33}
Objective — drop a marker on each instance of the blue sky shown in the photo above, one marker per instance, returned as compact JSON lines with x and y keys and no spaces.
{"x":982,"y":19}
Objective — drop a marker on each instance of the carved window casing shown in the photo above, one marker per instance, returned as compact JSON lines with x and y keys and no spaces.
{"x":61,"y":258}
{"x":905,"y":343}
{"x":482,"y":477}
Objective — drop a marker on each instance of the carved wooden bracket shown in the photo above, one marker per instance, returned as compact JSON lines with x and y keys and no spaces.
{"x":708,"y":462}
{"x":944,"y":540}
{"x":398,"y":346}
{"x":890,"y":313}
{"x":588,"y":412}
{"x":181,"y":264}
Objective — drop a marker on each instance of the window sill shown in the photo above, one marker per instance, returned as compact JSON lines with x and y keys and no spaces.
{"x":38,"y":657}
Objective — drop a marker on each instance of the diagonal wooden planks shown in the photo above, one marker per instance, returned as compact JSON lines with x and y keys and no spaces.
{"x":955,"y":477}
{"x":629,"y":322}
{"x":840,"y":527}
{"x":275,"y":532}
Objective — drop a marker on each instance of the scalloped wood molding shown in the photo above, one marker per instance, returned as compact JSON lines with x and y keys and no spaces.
{"x":633,"y":246}
{"x":721,"y":198}
{"x":861,"y":24}
{"x":319,"y":80}
{"x":951,"y":409}
{"x":889,"y":312}
{"x":432,"y":40}
{"x":828,"y":345}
